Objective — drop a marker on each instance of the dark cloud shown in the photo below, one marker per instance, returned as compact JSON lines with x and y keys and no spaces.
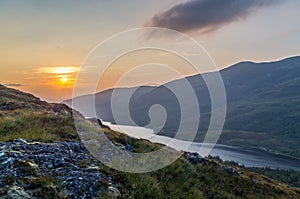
{"x":206,"y":15}
{"x":13,"y":85}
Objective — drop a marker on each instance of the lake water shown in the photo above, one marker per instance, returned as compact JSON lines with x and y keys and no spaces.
{"x":250,"y":157}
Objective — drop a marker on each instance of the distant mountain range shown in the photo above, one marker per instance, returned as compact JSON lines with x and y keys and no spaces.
{"x":263,"y":105}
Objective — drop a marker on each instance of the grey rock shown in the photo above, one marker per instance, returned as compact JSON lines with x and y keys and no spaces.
{"x":195,"y":158}
{"x":16,"y":192}
{"x":77,"y":173}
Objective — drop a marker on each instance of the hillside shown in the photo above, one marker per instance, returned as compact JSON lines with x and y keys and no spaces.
{"x":52,"y":163}
{"x":23,"y":115}
{"x":263,"y":107}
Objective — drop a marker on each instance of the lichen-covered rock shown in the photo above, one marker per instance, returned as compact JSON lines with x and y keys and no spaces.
{"x":16,"y":192}
{"x":27,"y":167}
{"x":51,"y":170}
{"x":113,"y":191}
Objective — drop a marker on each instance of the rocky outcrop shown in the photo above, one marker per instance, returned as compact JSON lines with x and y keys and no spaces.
{"x":195,"y":158}
{"x":9,"y":106}
{"x":99,"y":122}
{"x":51,"y":170}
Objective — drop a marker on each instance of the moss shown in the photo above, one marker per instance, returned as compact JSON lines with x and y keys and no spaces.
{"x":9,"y":180}
{"x":43,"y":186}
{"x":28,"y":168}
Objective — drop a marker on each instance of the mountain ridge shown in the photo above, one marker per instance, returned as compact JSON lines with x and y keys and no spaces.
{"x":261,"y":98}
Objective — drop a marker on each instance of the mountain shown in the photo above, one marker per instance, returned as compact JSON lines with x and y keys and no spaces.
{"x":263,"y":107}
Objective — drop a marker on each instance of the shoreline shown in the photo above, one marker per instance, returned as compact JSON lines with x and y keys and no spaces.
{"x":239,"y":154}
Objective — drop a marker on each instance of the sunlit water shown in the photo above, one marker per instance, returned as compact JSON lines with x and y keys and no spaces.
{"x":250,"y":157}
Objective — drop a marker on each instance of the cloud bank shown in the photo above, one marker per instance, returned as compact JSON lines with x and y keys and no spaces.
{"x":58,"y":70}
{"x":13,"y":85}
{"x":206,"y":15}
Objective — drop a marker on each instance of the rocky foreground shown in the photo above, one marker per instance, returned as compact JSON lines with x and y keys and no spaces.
{"x":51,"y":170}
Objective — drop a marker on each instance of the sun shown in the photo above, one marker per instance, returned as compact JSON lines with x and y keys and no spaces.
{"x":64,"y":79}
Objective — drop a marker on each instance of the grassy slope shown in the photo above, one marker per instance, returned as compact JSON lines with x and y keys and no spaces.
{"x":185,"y":180}
{"x":23,"y":115}
{"x":30,"y":118}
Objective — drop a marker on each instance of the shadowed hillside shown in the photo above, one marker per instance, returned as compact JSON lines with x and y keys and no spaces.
{"x":263,"y":107}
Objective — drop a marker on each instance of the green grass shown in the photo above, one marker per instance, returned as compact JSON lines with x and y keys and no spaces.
{"x":37,"y":127}
{"x":290,"y":177}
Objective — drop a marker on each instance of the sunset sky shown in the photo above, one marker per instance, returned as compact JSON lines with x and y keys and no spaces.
{"x":43,"y":43}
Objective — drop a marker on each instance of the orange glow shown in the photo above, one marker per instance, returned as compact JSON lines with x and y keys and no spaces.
{"x":58,"y":78}
{"x":64,"y":79}
{"x":58,"y":70}
{"x":64,"y":70}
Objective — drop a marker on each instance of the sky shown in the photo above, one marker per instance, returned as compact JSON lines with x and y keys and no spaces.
{"x":44,"y":43}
